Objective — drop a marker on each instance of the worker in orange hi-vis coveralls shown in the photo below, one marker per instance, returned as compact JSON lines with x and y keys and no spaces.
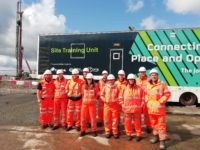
{"x":74,"y":93}
{"x":156,"y":96}
{"x":121,"y":82}
{"x":45,"y":96}
{"x":85,"y":72}
{"x":101,"y":85}
{"x":131,"y":98}
{"x":142,"y":81}
{"x":89,"y":98}
{"x":60,"y":100}
{"x":109,"y":95}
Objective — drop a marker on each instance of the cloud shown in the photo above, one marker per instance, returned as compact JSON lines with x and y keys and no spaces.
{"x":38,"y":18}
{"x":183,"y":6}
{"x":134,"y":5}
{"x":152,"y":23}
{"x":8,"y":65}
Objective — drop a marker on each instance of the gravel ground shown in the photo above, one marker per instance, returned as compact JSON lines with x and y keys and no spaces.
{"x":19,"y":109}
{"x":19,"y":129}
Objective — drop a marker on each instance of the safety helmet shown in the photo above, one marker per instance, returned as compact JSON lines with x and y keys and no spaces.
{"x":153,"y":71}
{"x":75,"y":71}
{"x":142,"y":69}
{"x":111,"y":77}
{"x":86,"y":70}
{"x":89,"y":76}
{"x":121,"y":72}
{"x":131,"y":76}
{"x":104,"y":72}
{"x":59,"y":71}
{"x":47,"y":72}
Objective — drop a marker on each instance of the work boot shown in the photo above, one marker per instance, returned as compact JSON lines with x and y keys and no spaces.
{"x":94,"y":134}
{"x":148,"y":130}
{"x":50,"y":125}
{"x":116,"y":136}
{"x":44,"y":126}
{"x":78,"y":128}
{"x":162,"y":145}
{"x":129,"y":138}
{"x":64,"y":127}
{"x":138,"y":138}
{"x":108,"y":136}
{"x":99,"y":124}
{"x":69,"y":128}
{"x":55,"y":127}
{"x":154,"y":139}
{"x":82,"y":133}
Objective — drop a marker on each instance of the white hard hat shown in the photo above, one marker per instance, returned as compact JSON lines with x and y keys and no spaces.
{"x":59,"y":71}
{"x":47,"y":72}
{"x":111,"y":77}
{"x":86,"y":70}
{"x":142,"y":69}
{"x":121,"y":72}
{"x":131,"y":76}
{"x":153,"y":71}
{"x":89,"y":76}
{"x":75,"y":71}
{"x":104,"y":72}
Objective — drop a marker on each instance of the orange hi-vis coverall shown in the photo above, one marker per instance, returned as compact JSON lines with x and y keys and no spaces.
{"x":109,"y":96}
{"x":143,"y":83}
{"x":101,"y":85}
{"x":73,"y":90}
{"x":83,"y":82}
{"x":131,"y":98}
{"x":89,"y":107}
{"x":156,"y":96}
{"x":46,"y":104}
{"x":121,"y":85}
{"x":60,"y":101}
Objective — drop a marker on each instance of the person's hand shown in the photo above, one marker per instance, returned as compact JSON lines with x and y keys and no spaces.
{"x":162,"y":100}
{"x":122,"y":106}
{"x":39,"y":100}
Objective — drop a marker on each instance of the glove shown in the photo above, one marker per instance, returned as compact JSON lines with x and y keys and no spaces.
{"x":75,"y":98}
{"x":71,"y":97}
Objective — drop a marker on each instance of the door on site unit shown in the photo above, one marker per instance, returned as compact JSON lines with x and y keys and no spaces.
{"x":116,"y":60}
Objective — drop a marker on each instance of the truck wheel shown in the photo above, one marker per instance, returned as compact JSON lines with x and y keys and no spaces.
{"x":188,"y":99}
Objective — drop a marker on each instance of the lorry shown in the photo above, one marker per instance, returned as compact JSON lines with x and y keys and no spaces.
{"x":175,"y":53}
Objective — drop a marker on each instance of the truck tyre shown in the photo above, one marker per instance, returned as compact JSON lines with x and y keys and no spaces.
{"x":188,"y":99}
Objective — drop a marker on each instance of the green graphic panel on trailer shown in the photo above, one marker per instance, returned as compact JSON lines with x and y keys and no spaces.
{"x":175,"y":66}
{"x":156,"y":39}
{"x":197,"y":33}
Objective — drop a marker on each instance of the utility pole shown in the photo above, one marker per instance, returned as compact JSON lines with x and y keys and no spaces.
{"x":19,"y":47}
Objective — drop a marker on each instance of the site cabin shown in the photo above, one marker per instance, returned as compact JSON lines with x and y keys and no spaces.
{"x":175,"y":53}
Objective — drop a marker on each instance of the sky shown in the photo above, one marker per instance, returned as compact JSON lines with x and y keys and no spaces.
{"x":64,"y":16}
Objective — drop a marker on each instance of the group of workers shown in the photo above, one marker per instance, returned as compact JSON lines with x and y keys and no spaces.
{"x":131,"y":96}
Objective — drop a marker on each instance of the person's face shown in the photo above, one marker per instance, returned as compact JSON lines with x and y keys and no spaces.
{"x":142,"y":74}
{"x":105,"y":76}
{"x":47,"y":77}
{"x":60,"y":76}
{"x":75,"y":76}
{"x":111,"y":82}
{"x":131,"y":81}
{"x":121,"y":77}
{"x":89,"y":81}
{"x":154,"y":77}
{"x":85,"y":73}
